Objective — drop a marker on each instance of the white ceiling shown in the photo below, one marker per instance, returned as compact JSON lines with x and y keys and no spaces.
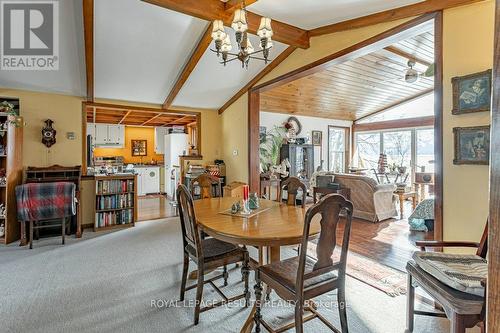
{"x":310,"y":14}
{"x":140,"y":49}
{"x":211,"y":84}
{"x":70,"y":78}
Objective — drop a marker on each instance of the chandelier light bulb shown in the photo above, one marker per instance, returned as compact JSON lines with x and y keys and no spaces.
{"x":218,"y":32}
{"x":226,"y":45}
{"x":265,"y":29}
{"x":240,"y":21}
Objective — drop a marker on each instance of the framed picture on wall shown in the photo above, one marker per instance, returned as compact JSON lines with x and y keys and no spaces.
{"x":472,"y":145}
{"x":139,"y":147}
{"x":472,"y":93}
{"x":317,"y":137}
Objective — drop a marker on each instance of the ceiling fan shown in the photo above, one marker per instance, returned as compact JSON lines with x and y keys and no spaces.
{"x":412,"y":75}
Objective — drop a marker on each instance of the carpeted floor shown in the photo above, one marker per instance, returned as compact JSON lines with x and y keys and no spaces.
{"x":108,"y":283}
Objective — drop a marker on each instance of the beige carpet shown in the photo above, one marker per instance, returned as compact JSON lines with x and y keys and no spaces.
{"x":107,"y":282}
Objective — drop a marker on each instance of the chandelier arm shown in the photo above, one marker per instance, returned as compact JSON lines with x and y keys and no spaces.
{"x":258,"y":51}
{"x":222,"y":62}
{"x":257,"y":58}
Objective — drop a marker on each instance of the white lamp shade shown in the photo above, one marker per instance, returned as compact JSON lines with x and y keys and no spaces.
{"x":265,"y":29}
{"x":226,"y":45}
{"x":218,"y":32}
{"x":240,"y":21}
{"x":249,"y":48}
{"x":269,"y":43}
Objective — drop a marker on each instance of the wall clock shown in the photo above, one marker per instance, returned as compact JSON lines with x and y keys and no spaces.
{"x":297,"y":126}
{"x":48,"y":134}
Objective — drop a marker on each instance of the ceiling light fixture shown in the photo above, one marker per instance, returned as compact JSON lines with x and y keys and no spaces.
{"x":246,"y":51}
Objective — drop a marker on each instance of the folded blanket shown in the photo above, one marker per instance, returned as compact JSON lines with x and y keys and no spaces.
{"x":45,"y":201}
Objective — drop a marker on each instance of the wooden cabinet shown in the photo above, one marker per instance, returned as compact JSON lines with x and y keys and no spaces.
{"x":301,"y":158}
{"x":160,"y":133}
{"x":107,"y":134}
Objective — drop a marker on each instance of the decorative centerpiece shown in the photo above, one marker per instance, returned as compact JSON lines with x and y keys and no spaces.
{"x":253,"y":201}
{"x":246,"y":192}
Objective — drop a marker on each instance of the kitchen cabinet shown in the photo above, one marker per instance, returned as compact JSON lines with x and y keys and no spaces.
{"x":160,"y":133}
{"x":107,"y":134}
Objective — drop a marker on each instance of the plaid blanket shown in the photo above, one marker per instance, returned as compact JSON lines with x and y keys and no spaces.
{"x":44,"y":201}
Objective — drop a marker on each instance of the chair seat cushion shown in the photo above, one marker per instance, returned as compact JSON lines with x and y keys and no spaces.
{"x":213,"y":248}
{"x":462,"y":272}
{"x":285,"y":272}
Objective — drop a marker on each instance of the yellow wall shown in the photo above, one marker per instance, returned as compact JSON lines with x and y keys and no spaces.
{"x":134,"y":133}
{"x":468,"y":48}
{"x":65,"y":111}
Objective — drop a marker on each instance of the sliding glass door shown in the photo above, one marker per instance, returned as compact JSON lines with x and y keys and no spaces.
{"x":397,"y":146}
{"x":337,"y":148}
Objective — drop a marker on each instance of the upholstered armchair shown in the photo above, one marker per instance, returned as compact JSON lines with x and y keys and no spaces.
{"x":373,"y":202}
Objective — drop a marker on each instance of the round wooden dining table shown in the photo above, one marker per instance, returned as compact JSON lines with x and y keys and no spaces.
{"x":271,"y":226}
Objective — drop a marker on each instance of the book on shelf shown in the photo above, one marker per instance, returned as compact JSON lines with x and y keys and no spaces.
{"x":114,"y":186}
{"x":115,"y":201}
{"x":106,"y":219}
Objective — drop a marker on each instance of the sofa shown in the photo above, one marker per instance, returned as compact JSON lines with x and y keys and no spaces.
{"x":372,"y":201}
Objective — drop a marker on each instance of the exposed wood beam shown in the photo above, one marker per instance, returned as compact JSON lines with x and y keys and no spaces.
{"x":210,"y":10}
{"x":198,"y":52}
{"x":125,"y":116}
{"x":233,"y":4}
{"x":108,"y":106}
{"x":151,"y":119}
{"x":88,"y":27}
{"x":176,"y":120}
{"x":396,"y":104}
{"x":392,"y":124}
{"x":406,"y":55}
{"x":417,"y":9}
{"x":259,"y":76}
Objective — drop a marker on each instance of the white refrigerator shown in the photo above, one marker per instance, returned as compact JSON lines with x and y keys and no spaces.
{"x":176,"y":144}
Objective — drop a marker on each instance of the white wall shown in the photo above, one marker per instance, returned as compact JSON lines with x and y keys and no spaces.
{"x":309,"y":124}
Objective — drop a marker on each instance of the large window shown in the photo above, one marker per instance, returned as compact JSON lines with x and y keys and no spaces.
{"x":412,"y":148}
{"x":337,"y":147}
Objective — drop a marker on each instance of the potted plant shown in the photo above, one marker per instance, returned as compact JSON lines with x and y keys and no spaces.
{"x":12,"y":116}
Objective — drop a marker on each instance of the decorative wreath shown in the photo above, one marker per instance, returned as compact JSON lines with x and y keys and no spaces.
{"x":295,"y":123}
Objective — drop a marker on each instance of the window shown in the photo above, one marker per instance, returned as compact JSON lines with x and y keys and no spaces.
{"x":337,"y":143}
{"x":367,"y":150}
{"x":425,"y":150}
{"x":397,"y":147}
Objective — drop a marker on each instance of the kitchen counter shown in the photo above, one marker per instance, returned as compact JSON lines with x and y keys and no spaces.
{"x":148,"y":165}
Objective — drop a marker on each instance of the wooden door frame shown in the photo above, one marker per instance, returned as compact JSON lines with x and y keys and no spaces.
{"x":493,"y":306}
{"x":345,"y":55}
{"x":347,"y":146}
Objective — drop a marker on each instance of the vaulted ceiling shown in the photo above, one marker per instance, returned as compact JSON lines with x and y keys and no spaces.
{"x":157,"y":51}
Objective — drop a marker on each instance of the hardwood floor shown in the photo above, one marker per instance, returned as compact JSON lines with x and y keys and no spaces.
{"x":152,"y":207}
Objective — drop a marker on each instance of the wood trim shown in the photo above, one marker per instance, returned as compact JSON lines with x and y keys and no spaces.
{"x":121,"y":121}
{"x":266,"y":70}
{"x":406,"y":55}
{"x":88,"y":27}
{"x":398,"y":103}
{"x":417,"y":9}
{"x":234,"y":4}
{"x":354,"y":51}
{"x":393,"y":124}
{"x":253,"y":141}
{"x":138,"y":108}
{"x":84,"y":139}
{"x":176,"y":120}
{"x":493,"y":288}
{"x":347,"y":146}
{"x":438,"y":127}
{"x":210,"y":10}
{"x":198,"y":52}
{"x":147,"y":121}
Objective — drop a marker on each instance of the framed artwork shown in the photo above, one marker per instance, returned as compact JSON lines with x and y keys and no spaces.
{"x":472,"y":93}
{"x":472,"y":145}
{"x":139,"y":147}
{"x":317,"y":137}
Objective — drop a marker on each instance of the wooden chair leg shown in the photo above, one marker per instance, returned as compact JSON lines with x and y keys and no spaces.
{"x":199,"y":294}
{"x":258,"y":299}
{"x":457,"y":323}
{"x":31,"y":234}
{"x":410,"y":305}
{"x":225,"y":274}
{"x":63,"y":229}
{"x":299,"y":313}
{"x":342,"y":307}
{"x":245,"y":272}
{"x":184,"y":276}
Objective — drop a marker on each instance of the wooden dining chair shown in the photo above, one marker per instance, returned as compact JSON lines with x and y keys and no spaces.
{"x":300,"y":279}
{"x":292,"y":185}
{"x":208,"y":254}
{"x":206,"y":182}
{"x":464,"y":310}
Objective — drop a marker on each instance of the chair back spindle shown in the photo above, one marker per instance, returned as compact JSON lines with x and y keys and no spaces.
{"x":292,"y":185}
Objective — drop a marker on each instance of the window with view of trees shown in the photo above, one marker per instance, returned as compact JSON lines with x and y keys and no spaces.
{"x":337,"y":142}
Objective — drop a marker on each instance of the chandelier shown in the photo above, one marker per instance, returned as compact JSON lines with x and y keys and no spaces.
{"x":245,"y":48}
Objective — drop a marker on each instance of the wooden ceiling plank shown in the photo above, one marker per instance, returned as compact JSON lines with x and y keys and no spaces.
{"x":413,"y":10}
{"x":139,"y":109}
{"x":88,"y":27}
{"x":392,"y":106}
{"x":407,"y":56}
{"x":195,"y":57}
{"x":210,"y":10}
{"x":273,"y":64}
{"x":175,"y":121}
{"x":150,"y":119}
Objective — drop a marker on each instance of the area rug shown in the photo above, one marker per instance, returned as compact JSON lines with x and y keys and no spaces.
{"x":384,"y":278}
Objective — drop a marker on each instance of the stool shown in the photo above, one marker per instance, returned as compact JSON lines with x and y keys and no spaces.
{"x":34,"y":226}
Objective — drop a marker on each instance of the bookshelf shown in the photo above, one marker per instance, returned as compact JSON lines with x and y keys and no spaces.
{"x":115,"y":201}
{"x":11,"y":173}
